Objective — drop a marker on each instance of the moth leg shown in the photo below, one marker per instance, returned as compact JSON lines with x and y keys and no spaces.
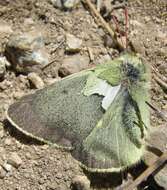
{"x":141,"y":127}
{"x":139,"y":123}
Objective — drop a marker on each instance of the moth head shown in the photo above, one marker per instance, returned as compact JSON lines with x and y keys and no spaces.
{"x":130,"y":72}
{"x":134,"y":70}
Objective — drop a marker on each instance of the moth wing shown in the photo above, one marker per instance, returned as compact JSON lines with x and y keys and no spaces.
{"x":59,"y":113}
{"x":113,"y":143}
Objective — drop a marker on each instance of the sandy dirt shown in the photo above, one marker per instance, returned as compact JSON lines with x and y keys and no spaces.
{"x":43,"y":167}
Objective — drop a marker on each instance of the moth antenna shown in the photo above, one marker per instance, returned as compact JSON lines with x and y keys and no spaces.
{"x":117,"y":27}
{"x":126,"y":25}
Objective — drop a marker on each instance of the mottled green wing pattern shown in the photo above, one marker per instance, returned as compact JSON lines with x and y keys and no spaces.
{"x":60,"y":113}
{"x":115,"y":142}
{"x":100,"y":114}
{"x":111,"y":72}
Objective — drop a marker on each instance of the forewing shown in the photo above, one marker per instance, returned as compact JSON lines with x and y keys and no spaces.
{"x":59,"y":114}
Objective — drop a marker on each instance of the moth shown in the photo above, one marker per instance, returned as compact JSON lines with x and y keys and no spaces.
{"x":100,"y":114}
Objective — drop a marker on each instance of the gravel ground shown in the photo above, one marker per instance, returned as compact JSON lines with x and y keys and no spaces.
{"x":26,"y":164}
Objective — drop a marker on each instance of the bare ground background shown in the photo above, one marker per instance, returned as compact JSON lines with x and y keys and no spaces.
{"x":44,"y":167}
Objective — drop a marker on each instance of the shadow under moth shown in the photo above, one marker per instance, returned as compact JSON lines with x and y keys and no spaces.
{"x":100,"y":114}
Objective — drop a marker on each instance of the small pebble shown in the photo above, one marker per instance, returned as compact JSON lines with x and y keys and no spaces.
{"x":36,"y":80}
{"x":5,"y":84}
{"x":73,"y":64}
{"x":5,"y":28}
{"x":1,"y":133}
{"x":136,"y":23}
{"x":2,"y":67}
{"x":104,"y":59}
{"x":1,"y":124}
{"x":45,"y":147}
{"x":57,"y":3}
{"x":65,"y":4}
{"x":2,"y":151}
{"x":18,"y":94}
{"x":19,"y":145}
{"x":161,"y":177}
{"x":22,"y":79}
{"x":28,"y":155}
{"x":147,"y":19}
{"x":165,"y":96}
{"x":15,"y":160}
{"x":69,"y":4}
{"x":8,"y":141}
{"x":7,"y":167}
{"x":138,"y":46}
{"x":26,"y":52}
{"x":73,"y":44}
{"x":161,"y":36}
{"x":50,"y":81}
{"x":108,"y":42}
{"x":29,"y":22}
{"x":81,"y":183}
{"x":2,"y":172}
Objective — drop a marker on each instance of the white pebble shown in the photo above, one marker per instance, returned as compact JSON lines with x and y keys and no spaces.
{"x":36,"y":80}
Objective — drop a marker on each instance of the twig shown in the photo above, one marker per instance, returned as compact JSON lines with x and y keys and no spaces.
{"x":158,"y":79}
{"x":59,"y":45}
{"x":161,"y":77}
{"x":159,"y":112}
{"x":150,"y":170}
{"x":45,"y":66}
{"x":160,"y":82}
{"x":104,"y":24}
{"x":53,"y":51}
{"x":91,"y":56}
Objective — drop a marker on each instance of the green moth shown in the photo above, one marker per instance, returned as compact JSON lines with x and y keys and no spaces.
{"x":99,"y":114}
